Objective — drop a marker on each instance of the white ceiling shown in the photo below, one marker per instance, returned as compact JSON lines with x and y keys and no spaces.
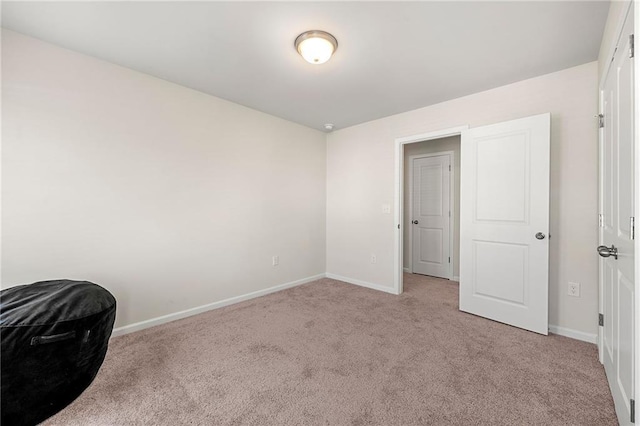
{"x":392,"y":57}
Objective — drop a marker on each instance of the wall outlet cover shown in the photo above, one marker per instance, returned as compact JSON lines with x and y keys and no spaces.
{"x":574,"y":289}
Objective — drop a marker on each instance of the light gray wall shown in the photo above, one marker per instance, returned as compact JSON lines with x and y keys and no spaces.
{"x":431,"y":147}
{"x":360,"y":178}
{"x":168,"y":197}
{"x":173,"y":199}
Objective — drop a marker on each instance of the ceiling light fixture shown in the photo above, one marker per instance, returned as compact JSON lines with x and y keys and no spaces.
{"x":316,"y":46}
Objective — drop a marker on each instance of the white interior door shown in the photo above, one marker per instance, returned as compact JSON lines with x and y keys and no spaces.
{"x":431,"y":216}
{"x":616,"y":231}
{"x":504,"y":222}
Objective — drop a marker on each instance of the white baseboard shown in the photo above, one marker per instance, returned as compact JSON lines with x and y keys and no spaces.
{"x":208,"y":307}
{"x":561,"y":331}
{"x":574,"y":334}
{"x":455,"y":279}
{"x":361,"y":283}
{"x":407,"y":270}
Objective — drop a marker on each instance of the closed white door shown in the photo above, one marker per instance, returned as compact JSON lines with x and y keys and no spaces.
{"x":616,"y":227}
{"x":504,"y":222}
{"x":431,"y":218}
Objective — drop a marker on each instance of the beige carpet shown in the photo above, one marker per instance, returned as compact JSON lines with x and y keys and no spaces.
{"x":330,"y":353}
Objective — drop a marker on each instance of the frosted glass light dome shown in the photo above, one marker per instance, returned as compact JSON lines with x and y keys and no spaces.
{"x":316,"y":47}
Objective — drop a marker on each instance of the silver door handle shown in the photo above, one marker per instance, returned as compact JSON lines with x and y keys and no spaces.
{"x":415,"y":222}
{"x":540,"y":236}
{"x":605,"y":251}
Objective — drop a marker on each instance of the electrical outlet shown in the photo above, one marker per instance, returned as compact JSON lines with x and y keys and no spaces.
{"x":373,"y":258}
{"x":574,"y":289}
{"x":386,"y":208}
{"x":276,"y":260}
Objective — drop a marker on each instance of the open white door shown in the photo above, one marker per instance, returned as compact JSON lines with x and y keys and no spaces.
{"x":504,"y":222}
{"x":617,"y":275}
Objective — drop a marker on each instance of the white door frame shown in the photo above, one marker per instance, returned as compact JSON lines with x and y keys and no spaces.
{"x":636,"y":83}
{"x":600,"y":236}
{"x":452,"y":204}
{"x":610,"y":50}
{"x":399,"y":194}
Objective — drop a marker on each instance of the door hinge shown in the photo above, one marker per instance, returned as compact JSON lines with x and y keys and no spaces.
{"x":601,"y":320}
{"x":601,"y":120}
{"x":398,"y":226}
{"x":632,"y":404}
{"x":631,"y":46}
{"x":449,"y":259}
{"x":449,"y":167}
{"x":600,"y":221}
{"x":632,"y":227}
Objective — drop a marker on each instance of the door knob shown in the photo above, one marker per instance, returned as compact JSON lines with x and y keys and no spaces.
{"x":415,"y":222}
{"x":540,"y":236}
{"x":605,"y":251}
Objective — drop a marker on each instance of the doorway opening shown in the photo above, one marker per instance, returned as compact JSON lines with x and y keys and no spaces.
{"x":431,"y":205}
{"x":401,"y":145}
{"x":504,"y":219}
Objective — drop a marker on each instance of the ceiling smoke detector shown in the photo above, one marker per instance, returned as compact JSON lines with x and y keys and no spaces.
{"x":315,"y":46}
{"x":328,"y":127}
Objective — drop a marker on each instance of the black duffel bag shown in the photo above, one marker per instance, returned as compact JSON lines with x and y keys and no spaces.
{"x":53,"y":339}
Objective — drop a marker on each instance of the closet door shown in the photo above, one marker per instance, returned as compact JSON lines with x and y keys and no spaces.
{"x":617,"y":278}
